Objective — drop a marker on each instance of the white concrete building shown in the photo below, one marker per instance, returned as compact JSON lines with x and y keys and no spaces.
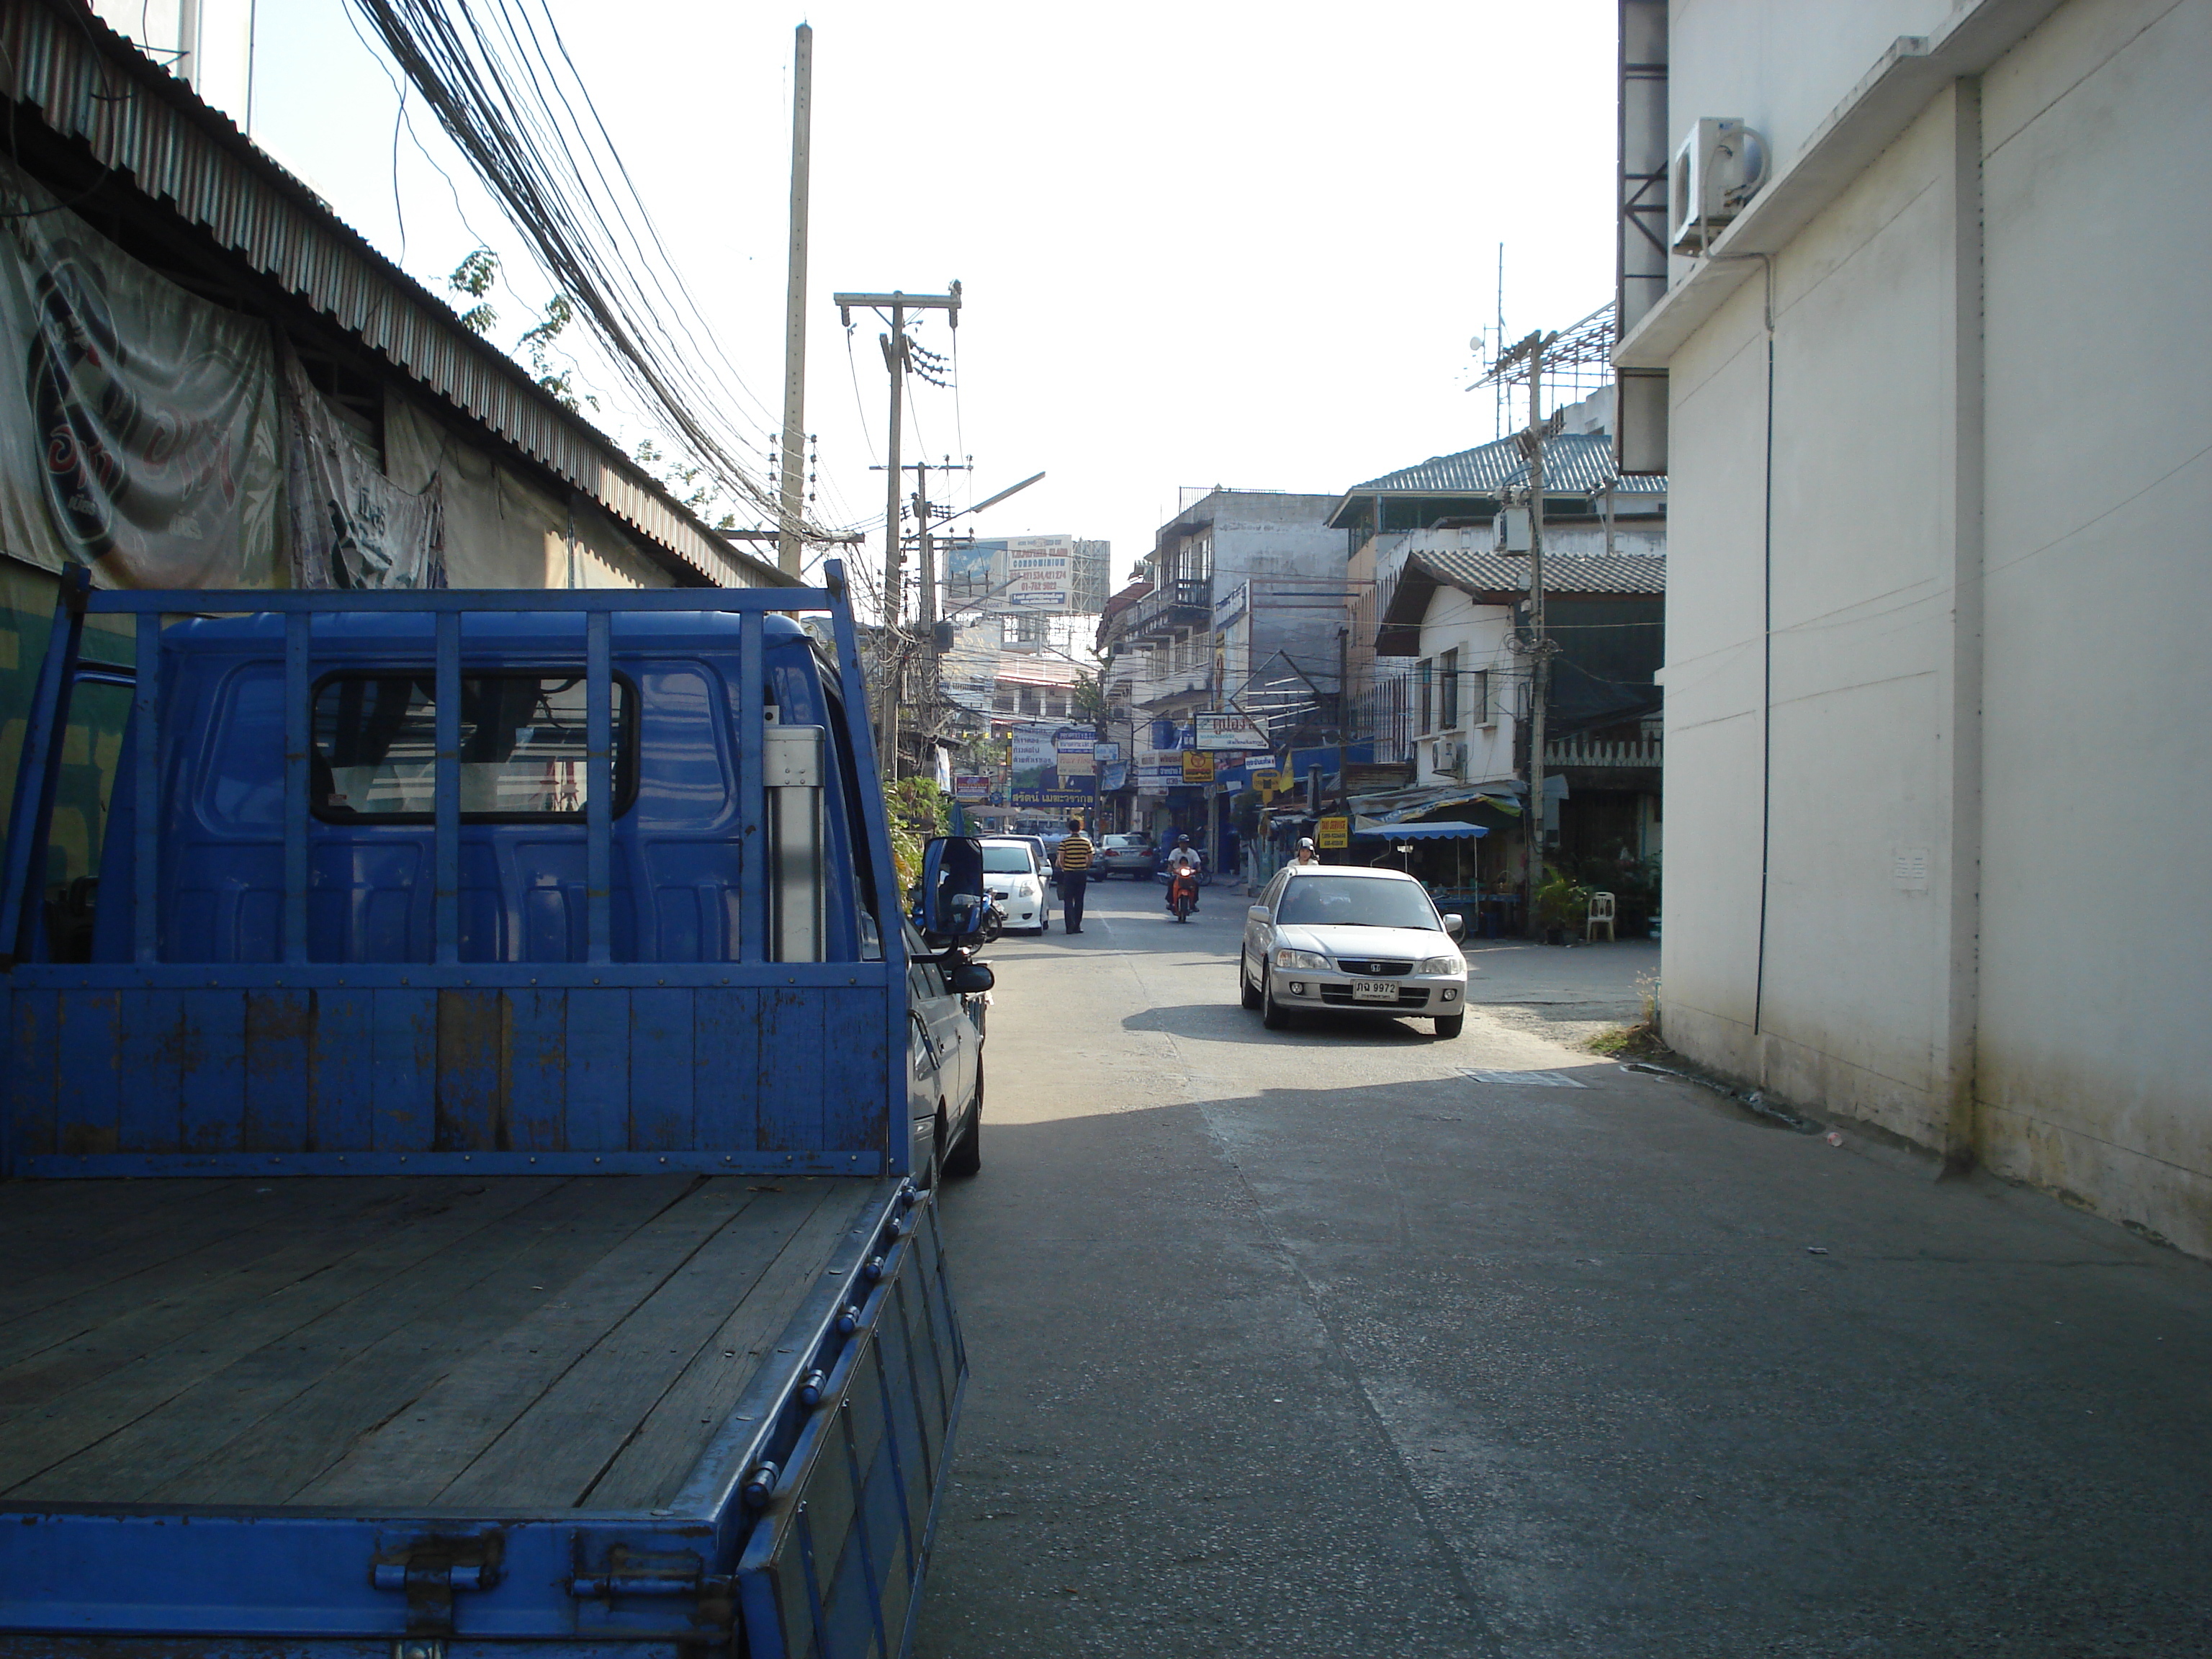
{"x":1939,"y":437}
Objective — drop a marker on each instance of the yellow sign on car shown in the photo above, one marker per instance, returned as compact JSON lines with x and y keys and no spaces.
{"x":1332,"y":834}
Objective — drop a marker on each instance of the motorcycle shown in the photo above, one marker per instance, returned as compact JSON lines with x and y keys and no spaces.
{"x":994,"y":921}
{"x":1182,"y":892}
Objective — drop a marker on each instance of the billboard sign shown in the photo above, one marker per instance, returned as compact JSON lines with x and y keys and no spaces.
{"x":1031,"y":574}
{"x":1237,"y":732}
{"x":971,"y":787}
{"x":1197,"y":766}
{"x":1039,"y":780}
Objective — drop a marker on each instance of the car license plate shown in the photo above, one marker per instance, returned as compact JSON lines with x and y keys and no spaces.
{"x":1375,"y":990}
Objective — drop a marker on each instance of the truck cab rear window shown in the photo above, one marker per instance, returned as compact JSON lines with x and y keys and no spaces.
{"x":522,"y":747}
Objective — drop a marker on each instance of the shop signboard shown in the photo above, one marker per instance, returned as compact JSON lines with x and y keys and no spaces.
{"x":971,"y":787}
{"x":1332,"y":834}
{"x":1197,"y":766}
{"x":1077,"y":752}
{"x":1232,"y":732}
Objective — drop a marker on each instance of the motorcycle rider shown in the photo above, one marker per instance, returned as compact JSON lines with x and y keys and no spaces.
{"x":1181,"y":857}
{"x":1308,"y":854}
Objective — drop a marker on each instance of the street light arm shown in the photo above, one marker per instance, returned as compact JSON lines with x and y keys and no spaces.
{"x":994,"y":500}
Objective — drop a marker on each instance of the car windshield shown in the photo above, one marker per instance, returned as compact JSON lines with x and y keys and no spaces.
{"x":1354,"y":901}
{"x":1006,"y":860}
{"x":1120,"y":842}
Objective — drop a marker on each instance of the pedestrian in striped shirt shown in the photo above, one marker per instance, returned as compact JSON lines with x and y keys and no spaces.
{"x":1073,"y":860}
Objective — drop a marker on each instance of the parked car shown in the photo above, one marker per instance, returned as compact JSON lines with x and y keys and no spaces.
{"x":1015,"y":880}
{"x":1126,"y":855}
{"x":1348,"y":939}
{"x":1044,"y":849}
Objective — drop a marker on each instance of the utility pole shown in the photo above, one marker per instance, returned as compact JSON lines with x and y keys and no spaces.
{"x":1540,"y":672}
{"x":794,"y":305}
{"x":895,"y":359}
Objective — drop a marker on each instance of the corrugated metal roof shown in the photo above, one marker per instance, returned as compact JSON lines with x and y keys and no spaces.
{"x":178,"y":149}
{"x":1564,"y":572}
{"x":1574,"y":463}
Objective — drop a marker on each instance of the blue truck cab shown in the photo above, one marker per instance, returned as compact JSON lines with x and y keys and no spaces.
{"x":471,"y":1183}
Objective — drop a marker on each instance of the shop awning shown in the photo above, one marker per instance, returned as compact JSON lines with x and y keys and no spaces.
{"x":1446,"y":830}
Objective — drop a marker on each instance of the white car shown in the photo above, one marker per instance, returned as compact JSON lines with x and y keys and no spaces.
{"x":1349,"y":939}
{"x":1013,"y":878}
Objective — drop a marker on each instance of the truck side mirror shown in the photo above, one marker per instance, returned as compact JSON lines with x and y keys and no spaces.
{"x":973,"y":978}
{"x":952,"y":888}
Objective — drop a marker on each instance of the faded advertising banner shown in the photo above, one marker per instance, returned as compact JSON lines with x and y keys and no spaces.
{"x":352,"y":527}
{"x":138,"y":423}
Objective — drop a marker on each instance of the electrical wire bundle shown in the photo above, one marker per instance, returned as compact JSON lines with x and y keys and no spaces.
{"x":508,"y":95}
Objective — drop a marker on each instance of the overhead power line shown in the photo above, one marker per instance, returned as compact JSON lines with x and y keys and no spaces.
{"x":504,"y":88}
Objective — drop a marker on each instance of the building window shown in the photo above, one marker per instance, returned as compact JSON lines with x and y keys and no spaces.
{"x":1003,"y":703}
{"x":1029,"y":700}
{"x":1056,"y":708}
{"x":1424,"y":698}
{"x":1478,"y":697}
{"x":1448,"y":702}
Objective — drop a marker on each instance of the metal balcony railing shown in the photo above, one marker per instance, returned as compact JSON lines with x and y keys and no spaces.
{"x":1177,"y":604}
{"x":1582,"y":751}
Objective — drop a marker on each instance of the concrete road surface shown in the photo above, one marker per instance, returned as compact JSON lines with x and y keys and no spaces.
{"x":1310,"y":1342}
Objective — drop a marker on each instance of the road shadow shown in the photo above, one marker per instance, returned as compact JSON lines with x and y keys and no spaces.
{"x":1227,"y":1023}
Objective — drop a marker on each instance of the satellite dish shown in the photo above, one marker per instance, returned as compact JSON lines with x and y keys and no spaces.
{"x":1474,"y":344}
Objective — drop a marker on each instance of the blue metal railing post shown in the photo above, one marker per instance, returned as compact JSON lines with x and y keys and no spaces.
{"x":445,"y":791}
{"x":146,"y":796}
{"x":296,"y":732}
{"x":756,"y":881}
{"x":31,"y":814}
{"x":598,"y":787}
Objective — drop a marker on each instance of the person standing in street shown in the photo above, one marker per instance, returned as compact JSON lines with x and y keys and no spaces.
{"x":1073,"y":862}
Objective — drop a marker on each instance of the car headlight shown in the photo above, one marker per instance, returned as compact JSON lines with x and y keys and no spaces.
{"x":1287,"y":957}
{"x":1451,"y":964}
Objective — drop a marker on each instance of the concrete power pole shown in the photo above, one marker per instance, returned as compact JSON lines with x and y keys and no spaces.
{"x":794,"y":308}
{"x":895,"y":359}
{"x":1540,"y":672}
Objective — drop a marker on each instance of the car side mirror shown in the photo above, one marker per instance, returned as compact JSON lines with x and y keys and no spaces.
{"x":973,"y":978}
{"x":1456,"y":925}
{"x":1259,"y":913}
{"x":951,"y":905}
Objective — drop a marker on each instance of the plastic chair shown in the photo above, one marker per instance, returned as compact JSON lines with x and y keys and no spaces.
{"x":1601,"y":914}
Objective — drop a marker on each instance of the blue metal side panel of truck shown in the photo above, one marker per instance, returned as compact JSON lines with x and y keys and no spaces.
{"x":275,"y":995}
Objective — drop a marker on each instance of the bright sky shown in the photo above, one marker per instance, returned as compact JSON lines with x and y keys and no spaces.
{"x":1244,"y":244}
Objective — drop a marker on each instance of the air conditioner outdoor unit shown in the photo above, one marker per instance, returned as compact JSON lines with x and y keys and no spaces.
{"x":1719,"y":167}
{"x":1450,"y":755}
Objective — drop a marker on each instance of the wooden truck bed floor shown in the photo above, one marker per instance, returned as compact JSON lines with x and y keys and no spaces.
{"x":502,"y":1344}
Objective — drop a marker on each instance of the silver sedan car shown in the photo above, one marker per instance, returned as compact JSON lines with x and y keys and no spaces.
{"x":1347,"y":939}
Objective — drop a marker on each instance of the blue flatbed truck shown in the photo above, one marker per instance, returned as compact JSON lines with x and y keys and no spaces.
{"x":467,"y":1163}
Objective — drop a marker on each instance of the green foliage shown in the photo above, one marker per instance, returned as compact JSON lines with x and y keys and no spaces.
{"x":1561,"y":901}
{"x":917,"y":810}
{"x":474,"y":277}
{"x":1087,"y":698}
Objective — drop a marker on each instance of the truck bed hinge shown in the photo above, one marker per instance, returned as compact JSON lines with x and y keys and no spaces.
{"x":428,"y":1572}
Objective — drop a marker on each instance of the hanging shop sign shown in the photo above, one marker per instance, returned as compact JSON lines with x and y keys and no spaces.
{"x":1234,"y":732}
{"x":971,"y":787}
{"x":1333,"y":832}
{"x":1197,"y":766}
